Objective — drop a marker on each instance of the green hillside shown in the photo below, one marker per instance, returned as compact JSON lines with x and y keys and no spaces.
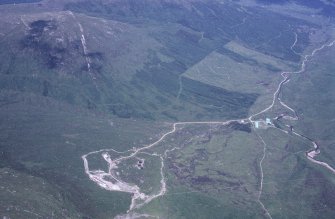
{"x":156,"y":95}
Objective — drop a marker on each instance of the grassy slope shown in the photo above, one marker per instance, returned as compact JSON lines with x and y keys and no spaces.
{"x":310,"y":185}
{"x":146,"y":89}
{"x":293,"y":187}
{"x":44,"y":137}
{"x":311,"y":94}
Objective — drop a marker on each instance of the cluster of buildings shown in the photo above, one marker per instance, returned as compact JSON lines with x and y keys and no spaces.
{"x":263,"y":124}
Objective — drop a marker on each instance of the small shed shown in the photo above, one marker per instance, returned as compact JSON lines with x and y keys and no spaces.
{"x":268,"y":121}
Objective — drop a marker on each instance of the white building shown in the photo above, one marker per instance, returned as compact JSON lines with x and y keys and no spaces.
{"x":256,"y":124}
